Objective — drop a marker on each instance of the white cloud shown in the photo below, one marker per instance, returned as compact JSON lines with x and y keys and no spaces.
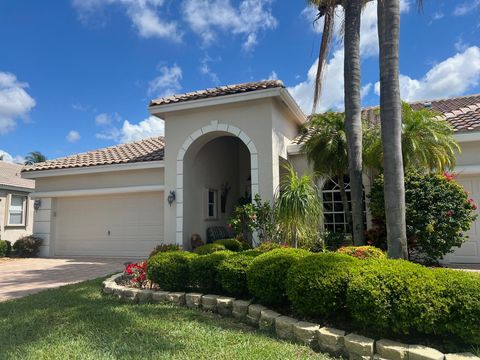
{"x":466,"y":7}
{"x":144,"y":14}
{"x":453,"y":76}
{"x":15,"y":102}
{"x":73,"y":136}
{"x":333,"y":91}
{"x":273,"y":76}
{"x":18,"y":159}
{"x":167,"y":83}
{"x":207,"y":17}
{"x":107,"y":119}
{"x":150,"y":127}
{"x":460,"y":45}
{"x":437,"y":15}
{"x":206,"y":70}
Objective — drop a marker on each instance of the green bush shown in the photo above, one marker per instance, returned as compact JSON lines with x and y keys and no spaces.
{"x":438,"y":213}
{"x":317,"y":284}
{"x":27,"y":246}
{"x":233,"y":244}
{"x":232,"y":273}
{"x":204,"y":271}
{"x":165,"y":248}
{"x":3,"y":248}
{"x":461,"y":291}
{"x":209,"y":248}
{"x":269,"y":245}
{"x":396,"y":297}
{"x":267,"y":275}
{"x":170,"y":270}
{"x":363,"y":252}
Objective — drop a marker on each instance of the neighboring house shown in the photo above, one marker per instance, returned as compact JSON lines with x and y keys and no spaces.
{"x":16,"y":206}
{"x":123,"y":200}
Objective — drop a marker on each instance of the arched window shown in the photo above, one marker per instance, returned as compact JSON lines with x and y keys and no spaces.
{"x":333,"y":212}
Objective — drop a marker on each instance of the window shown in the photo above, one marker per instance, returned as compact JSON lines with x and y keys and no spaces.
{"x":334,"y":216}
{"x":16,"y":210}
{"x":211,"y":204}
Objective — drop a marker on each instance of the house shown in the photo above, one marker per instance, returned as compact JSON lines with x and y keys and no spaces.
{"x":16,"y":205}
{"x":220,"y":145}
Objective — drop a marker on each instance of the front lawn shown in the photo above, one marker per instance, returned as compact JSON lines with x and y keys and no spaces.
{"x":77,"y":322}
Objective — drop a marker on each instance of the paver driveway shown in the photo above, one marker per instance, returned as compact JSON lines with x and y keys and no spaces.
{"x":20,"y":277}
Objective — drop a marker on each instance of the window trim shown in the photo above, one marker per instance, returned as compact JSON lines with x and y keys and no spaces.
{"x":24,"y":210}
{"x":207,"y":203}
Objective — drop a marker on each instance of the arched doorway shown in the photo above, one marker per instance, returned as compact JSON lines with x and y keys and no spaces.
{"x":216,"y":167}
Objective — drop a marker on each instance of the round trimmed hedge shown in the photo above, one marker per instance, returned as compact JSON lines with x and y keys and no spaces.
{"x":363,"y":252}
{"x":266,"y":276}
{"x":204,"y":270}
{"x":396,"y":297}
{"x":209,"y":249}
{"x":170,"y":270}
{"x":232,"y":273}
{"x":317,"y":284}
{"x":232,"y":244}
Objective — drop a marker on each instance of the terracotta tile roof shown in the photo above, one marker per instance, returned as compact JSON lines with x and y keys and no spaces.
{"x":218,"y":91}
{"x":151,"y":149}
{"x":463,"y":113}
{"x":10,"y":176}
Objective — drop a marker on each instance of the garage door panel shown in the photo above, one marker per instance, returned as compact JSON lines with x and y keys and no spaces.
{"x":116,"y":225}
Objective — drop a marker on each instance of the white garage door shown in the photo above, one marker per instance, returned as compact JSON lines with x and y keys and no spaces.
{"x":127,"y":225}
{"x":469,"y":252}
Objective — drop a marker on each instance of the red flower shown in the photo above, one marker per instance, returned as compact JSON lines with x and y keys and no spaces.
{"x":449,"y":213}
{"x":449,"y":176}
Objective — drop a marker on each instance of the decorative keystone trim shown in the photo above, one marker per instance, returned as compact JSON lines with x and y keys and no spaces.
{"x":333,"y":341}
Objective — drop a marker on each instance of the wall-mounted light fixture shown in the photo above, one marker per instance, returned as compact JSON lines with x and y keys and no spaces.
{"x":171,"y":197}
{"x":37,"y":204}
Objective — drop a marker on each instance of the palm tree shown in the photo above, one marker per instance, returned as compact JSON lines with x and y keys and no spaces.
{"x":352,"y":89}
{"x":34,"y":157}
{"x":297,"y":206}
{"x":427,"y":142}
{"x":326,"y":150}
{"x":388,"y":13}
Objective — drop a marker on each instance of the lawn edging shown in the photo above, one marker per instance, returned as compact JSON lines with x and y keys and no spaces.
{"x":330,"y":340}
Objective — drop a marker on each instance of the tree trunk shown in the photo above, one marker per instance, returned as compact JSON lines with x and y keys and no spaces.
{"x":346,"y":207}
{"x":353,"y":113}
{"x":391,"y":121}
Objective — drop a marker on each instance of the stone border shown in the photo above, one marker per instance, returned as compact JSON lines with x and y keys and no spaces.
{"x":333,"y":341}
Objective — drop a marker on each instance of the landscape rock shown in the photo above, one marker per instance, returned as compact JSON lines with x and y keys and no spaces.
{"x":254,"y":311}
{"x":284,"y":327}
{"x":359,"y":346}
{"x":240,"y":309}
{"x":159,"y":296}
{"x":392,"y":350}
{"x":267,"y":320}
{"x":225,"y":305}
{"x":419,"y":352}
{"x":145,"y":296}
{"x":177,"y":298}
{"x":331,"y":340}
{"x":193,"y":300}
{"x":209,"y":302}
{"x":305,"y":332}
{"x":461,"y":356}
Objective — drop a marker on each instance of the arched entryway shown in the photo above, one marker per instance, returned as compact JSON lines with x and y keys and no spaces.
{"x":216,"y":166}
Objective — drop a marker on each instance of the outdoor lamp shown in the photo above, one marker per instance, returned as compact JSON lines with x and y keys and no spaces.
{"x":171,"y":197}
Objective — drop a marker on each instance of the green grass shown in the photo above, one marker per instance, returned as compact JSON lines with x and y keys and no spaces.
{"x":77,"y":322}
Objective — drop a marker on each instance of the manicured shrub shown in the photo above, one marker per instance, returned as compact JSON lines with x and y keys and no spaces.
{"x":27,"y":246}
{"x":232,"y":244}
{"x":5,"y":248}
{"x":396,"y":297}
{"x":461,"y":291}
{"x":317,"y":284}
{"x":363,"y":252}
{"x":232,"y":273}
{"x":438,"y":214}
{"x":269,"y":245}
{"x":204,"y":271}
{"x":209,"y":248}
{"x":267,"y":275}
{"x":170,"y":270}
{"x":165,"y":248}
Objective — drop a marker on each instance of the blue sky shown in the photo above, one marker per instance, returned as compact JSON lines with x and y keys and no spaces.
{"x":76,"y":75}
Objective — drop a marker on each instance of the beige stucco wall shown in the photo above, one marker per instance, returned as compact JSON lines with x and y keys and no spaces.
{"x":13,"y":233}
{"x":262,"y":121}
{"x":470,"y":154}
{"x":123,"y":178}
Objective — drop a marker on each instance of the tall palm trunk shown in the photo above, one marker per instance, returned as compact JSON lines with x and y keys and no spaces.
{"x":353,"y":120}
{"x":343,"y":196}
{"x":391,"y":120}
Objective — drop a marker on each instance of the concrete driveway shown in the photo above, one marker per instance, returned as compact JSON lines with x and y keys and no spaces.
{"x":21,"y":277}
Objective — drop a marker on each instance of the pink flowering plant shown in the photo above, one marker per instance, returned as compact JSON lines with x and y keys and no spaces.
{"x":439,"y":213}
{"x":135,"y":274}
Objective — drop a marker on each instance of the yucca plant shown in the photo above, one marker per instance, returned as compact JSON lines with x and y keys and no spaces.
{"x":297,"y":207}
